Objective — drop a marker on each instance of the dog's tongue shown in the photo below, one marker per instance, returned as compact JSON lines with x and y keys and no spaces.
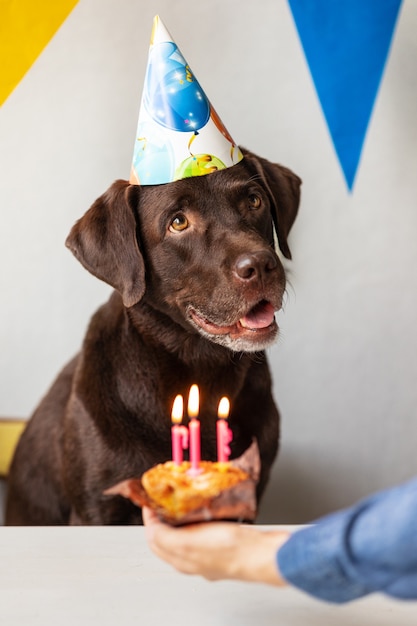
{"x":261,"y":316}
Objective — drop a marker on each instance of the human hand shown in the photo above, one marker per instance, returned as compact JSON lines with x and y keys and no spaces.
{"x":217,"y":550}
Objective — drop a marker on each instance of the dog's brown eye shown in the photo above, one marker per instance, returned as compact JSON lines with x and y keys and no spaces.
{"x":179,"y":223}
{"x":255,"y":201}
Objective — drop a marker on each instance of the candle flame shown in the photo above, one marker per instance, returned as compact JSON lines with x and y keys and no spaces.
{"x":177,"y":410}
{"x":193,"y":401}
{"x":224,"y":408}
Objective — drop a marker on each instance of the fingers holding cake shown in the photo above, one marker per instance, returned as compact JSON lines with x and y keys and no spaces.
{"x":217,"y":550}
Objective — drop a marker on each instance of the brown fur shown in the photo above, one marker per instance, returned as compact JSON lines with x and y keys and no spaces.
{"x":107,"y":416}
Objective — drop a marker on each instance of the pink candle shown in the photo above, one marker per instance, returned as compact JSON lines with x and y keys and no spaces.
{"x":224,"y":433}
{"x":179,"y":434}
{"x":194,"y":428}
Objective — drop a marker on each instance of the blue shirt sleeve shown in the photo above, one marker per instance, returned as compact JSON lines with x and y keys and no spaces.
{"x":370,"y":547}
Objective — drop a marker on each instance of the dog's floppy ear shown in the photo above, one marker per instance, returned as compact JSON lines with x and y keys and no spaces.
{"x":283,"y":187}
{"x":104,"y":241}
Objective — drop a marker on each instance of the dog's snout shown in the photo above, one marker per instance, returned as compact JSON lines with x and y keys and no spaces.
{"x":254,"y":265}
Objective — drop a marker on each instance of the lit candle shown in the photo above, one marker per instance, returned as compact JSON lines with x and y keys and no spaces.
{"x":194,"y":428}
{"x":179,"y":434}
{"x":224,"y":433}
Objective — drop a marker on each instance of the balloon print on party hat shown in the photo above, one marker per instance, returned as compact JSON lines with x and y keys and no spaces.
{"x":179,"y":133}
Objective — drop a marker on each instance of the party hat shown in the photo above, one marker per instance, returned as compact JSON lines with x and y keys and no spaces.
{"x":179,"y":133}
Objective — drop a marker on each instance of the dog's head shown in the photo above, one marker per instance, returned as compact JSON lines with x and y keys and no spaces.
{"x":200,"y":250}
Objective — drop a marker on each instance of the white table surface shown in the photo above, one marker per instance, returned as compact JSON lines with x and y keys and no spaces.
{"x":107,"y":576}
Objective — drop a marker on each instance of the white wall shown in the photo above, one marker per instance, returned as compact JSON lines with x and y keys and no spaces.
{"x":345,"y":368}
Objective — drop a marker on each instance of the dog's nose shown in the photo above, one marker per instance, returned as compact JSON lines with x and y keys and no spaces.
{"x":255,"y":265}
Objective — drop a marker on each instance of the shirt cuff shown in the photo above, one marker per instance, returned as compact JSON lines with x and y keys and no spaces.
{"x":316,"y":560}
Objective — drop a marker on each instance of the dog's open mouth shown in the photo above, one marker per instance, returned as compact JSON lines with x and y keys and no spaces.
{"x":259,"y":320}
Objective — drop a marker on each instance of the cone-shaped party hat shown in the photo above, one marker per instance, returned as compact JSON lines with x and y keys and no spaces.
{"x":179,"y":133}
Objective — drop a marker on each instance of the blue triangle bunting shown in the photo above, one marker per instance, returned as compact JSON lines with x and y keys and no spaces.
{"x":346,"y":44}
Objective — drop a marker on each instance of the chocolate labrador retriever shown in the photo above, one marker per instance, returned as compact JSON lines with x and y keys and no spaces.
{"x":197,"y":283}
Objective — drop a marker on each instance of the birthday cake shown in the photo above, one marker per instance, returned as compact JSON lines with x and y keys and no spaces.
{"x":180,"y":496}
